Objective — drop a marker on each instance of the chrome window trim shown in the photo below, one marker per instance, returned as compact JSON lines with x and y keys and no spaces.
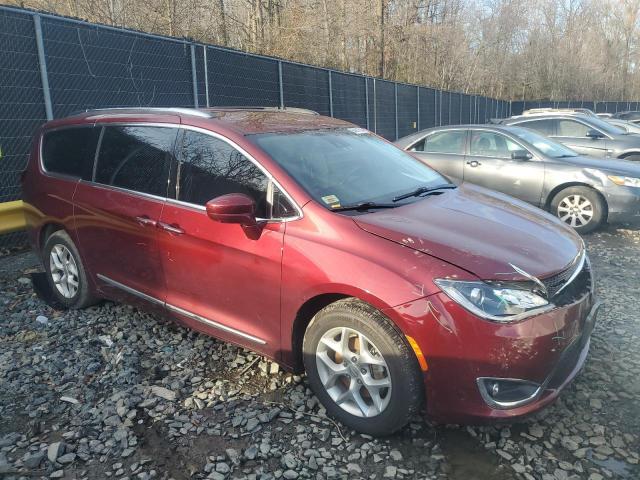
{"x":179,"y":310}
{"x":124,"y":190}
{"x":195,"y":206}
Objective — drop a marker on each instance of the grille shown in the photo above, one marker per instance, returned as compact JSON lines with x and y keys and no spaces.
{"x":580,"y":285}
{"x":556,"y":282}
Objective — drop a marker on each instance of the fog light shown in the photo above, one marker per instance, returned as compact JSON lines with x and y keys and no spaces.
{"x":507,"y":392}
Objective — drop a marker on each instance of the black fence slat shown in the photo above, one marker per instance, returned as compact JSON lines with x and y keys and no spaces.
{"x":306,"y":87}
{"x":349,"y":98}
{"x":385,"y":109}
{"x":407,"y":110}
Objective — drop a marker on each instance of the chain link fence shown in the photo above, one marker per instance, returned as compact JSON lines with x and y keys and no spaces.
{"x":52,"y":66}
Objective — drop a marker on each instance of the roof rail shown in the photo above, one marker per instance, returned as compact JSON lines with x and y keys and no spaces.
{"x":262,"y":109}
{"x":178,"y":110}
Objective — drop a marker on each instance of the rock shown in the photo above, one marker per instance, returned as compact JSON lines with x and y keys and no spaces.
{"x":33,"y":460}
{"x":55,"y":450}
{"x":42,"y":320}
{"x":395,"y":455}
{"x":251,"y":452}
{"x":67,"y":458}
{"x":222,"y":467}
{"x":252,"y":423}
{"x":390,"y":471}
{"x":595,"y":403}
{"x":163,"y":392}
{"x":57,"y":474}
{"x":290,"y":474}
{"x":536,"y":430}
{"x":353,"y":468}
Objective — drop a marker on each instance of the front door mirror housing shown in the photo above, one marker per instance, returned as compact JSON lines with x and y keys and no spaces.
{"x":520,"y":155}
{"x":233,"y":208}
{"x":594,"y":134}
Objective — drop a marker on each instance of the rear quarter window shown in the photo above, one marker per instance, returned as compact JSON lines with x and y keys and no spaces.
{"x":70,"y":151}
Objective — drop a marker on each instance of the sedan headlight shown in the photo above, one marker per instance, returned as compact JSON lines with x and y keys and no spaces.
{"x":494,"y":302}
{"x":625,"y":181}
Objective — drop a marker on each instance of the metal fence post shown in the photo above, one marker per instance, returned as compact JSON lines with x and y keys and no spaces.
{"x":417,"y":108}
{"x":44,"y":76}
{"x":280,"y":84}
{"x":330,"y":96}
{"x":206,"y":74}
{"x":366,"y":99}
{"x":395,"y":97}
{"x":375,"y":108}
{"x":194,"y":75}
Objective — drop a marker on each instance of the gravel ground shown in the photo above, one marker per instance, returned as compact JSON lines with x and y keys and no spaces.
{"x":112,"y":392}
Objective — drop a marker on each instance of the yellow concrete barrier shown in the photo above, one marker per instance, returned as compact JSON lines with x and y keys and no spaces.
{"x":12,"y":217}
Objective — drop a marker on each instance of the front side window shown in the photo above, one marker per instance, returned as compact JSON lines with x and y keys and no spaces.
{"x":546,"y":146}
{"x":210,"y":167}
{"x":571,"y":128}
{"x":445,"y":142}
{"x":342,"y":167}
{"x":136,"y":158}
{"x":489,"y":144}
{"x":70,"y":151}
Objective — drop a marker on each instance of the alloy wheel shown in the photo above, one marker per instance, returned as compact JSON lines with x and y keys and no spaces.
{"x":575,"y":210}
{"x":64,"y":271}
{"x":353,"y":372}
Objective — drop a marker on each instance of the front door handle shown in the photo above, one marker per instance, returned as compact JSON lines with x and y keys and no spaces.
{"x":176,"y":230}
{"x":473,"y":163}
{"x":145,"y":221}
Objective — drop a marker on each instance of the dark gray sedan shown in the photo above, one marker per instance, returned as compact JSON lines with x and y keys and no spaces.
{"x":585,"y":134}
{"x":583,"y":192}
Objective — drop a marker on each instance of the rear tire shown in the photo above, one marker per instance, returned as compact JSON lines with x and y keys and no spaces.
{"x":361,"y":368}
{"x":581,"y":208}
{"x":65,"y":272}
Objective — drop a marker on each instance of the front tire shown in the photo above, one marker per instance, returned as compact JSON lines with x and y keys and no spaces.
{"x":361,"y":368}
{"x":581,"y":208}
{"x":65,"y":272}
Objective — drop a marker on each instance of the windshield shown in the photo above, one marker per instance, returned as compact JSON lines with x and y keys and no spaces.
{"x":546,"y":146}
{"x":347,"y":166}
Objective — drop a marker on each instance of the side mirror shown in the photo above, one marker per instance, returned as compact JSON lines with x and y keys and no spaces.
{"x":594,"y":134}
{"x":233,"y":208}
{"x":520,"y":155}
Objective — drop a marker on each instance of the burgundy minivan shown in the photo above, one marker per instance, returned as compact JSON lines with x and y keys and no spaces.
{"x":321,"y":246}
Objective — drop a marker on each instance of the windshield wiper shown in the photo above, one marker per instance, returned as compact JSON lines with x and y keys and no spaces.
{"x":363,"y":206}
{"x":422,"y":190}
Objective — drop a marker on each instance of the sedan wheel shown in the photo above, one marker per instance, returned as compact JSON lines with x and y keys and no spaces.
{"x":581,"y":208}
{"x":575,"y":210}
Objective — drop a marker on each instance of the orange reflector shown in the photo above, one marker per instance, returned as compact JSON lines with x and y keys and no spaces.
{"x":421,"y":360}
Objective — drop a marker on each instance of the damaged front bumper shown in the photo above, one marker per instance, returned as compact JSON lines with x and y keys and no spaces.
{"x":463,"y":353}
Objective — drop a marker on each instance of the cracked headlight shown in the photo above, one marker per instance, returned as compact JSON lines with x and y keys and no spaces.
{"x":493,"y":302}
{"x":625,"y":181}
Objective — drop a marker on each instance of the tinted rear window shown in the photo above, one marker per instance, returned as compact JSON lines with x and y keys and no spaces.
{"x":70,"y":151}
{"x":137,"y":158}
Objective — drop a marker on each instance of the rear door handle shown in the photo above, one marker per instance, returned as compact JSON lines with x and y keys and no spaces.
{"x":146,"y":221}
{"x":176,"y":230}
{"x":473,"y":163}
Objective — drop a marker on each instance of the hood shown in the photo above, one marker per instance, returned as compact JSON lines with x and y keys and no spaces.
{"x":612,"y":166}
{"x":480,"y":231}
